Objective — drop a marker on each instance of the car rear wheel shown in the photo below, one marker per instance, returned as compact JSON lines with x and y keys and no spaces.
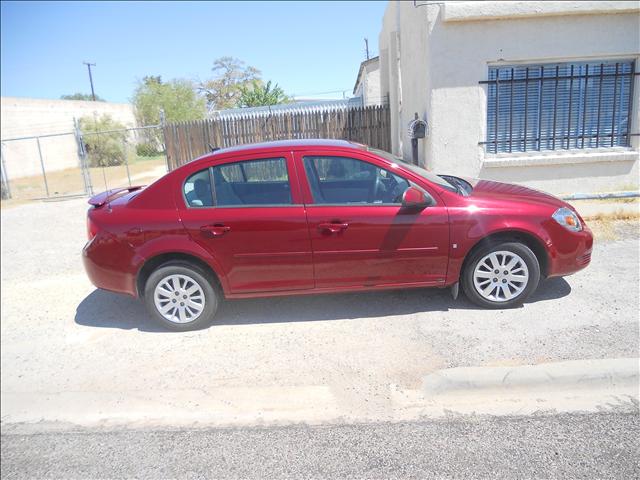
{"x":501,"y":276}
{"x":181,"y":297}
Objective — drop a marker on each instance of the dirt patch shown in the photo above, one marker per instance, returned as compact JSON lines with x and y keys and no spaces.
{"x":609,"y":228}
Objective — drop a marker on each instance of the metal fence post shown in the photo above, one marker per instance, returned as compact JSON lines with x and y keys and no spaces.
{"x":126,"y":159}
{"x":44,"y":172}
{"x":82,"y":154}
{"x":6,"y":189}
{"x":162,"y":126}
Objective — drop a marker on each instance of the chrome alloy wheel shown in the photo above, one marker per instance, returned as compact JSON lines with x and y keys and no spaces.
{"x":500,"y":276}
{"x":179,"y":298}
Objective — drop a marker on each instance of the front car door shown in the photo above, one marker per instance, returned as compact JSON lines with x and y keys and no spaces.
{"x":247,"y":212}
{"x":360,"y":233}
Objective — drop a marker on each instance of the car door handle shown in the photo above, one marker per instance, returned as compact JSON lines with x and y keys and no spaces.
{"x":216,"y":230}
{"x":333,"y":227}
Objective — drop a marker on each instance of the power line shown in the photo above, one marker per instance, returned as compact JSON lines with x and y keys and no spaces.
{"x":320,"y":93}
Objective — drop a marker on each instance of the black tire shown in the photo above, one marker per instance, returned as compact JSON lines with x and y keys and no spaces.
{"x":203,"y":279}
{"x":517,"y":248}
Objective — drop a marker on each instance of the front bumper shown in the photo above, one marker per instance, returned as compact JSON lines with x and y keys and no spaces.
{"x":569,"y":252}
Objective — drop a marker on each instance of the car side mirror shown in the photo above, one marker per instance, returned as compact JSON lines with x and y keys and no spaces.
{"x":415,"y":198}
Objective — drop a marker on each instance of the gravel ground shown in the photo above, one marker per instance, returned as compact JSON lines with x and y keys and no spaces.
{"x":565,"y":446}
{"x":337,"y":355}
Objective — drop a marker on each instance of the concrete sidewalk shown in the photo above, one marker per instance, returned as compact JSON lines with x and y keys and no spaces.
{"x":573,"y":386}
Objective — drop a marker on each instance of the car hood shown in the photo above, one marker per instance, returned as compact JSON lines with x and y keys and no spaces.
{"x":491,"y":190}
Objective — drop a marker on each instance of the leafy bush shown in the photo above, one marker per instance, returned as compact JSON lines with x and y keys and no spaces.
{"x":103,"y":149}
{"x":258,"y":94}
{"x":147,"y":150}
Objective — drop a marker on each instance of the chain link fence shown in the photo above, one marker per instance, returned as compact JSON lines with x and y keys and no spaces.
{"x":77,"y":163}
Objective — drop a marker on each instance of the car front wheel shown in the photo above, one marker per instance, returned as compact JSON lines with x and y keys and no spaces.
{"x":501,"y":276}
{"x":181,"y":297}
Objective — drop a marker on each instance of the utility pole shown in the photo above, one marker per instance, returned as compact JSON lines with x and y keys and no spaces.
{"x":89,"y":65}
{"x":366,"y":47}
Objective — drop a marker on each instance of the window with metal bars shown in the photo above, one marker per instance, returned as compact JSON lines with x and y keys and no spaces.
{"x":559,"y":106}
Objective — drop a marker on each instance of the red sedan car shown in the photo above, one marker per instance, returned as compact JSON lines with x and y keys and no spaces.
{"x":313,"y":216}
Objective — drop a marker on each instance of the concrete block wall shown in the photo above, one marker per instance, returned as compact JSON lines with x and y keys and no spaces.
{"x":22,"y":117}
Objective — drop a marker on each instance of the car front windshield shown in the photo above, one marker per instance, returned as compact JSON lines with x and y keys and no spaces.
{"x":426,"y":174}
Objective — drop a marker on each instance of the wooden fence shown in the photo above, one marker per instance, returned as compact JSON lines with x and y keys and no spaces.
{"x":187,"y":140}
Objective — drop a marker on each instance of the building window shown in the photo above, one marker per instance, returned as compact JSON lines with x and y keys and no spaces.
{"x":559,"y":106}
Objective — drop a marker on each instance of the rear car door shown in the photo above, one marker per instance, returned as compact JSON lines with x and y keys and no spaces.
{"x":360,"y":233}
{"x":247,"y":212}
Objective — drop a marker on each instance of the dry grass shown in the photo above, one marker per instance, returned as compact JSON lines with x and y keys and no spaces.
{"x":612,"y":216}
{"x":69,"y":181}
{"x":604,"y":230}
{"x":614,"y":225}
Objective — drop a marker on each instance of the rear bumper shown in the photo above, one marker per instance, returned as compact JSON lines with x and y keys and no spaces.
{"x":569,"y":252}
{"x":107,"y":265}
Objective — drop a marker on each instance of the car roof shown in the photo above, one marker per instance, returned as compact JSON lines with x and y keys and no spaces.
{"x":293,"y":144}
{"x":276,"y":145}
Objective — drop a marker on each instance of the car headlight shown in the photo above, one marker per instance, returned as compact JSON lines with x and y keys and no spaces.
{"x":568,"y":219}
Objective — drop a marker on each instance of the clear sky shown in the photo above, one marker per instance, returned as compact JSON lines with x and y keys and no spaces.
{"x":306,"y":47}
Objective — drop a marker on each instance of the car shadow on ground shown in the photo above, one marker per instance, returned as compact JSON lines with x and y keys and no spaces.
{"x":109,"y":310}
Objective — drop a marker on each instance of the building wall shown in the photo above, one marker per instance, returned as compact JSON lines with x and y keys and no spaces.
{"x":446,"y":50}
{"x":24,"y":117}
{"x":371,"y":88}
{"x":390,"y":71}
{"x":368,"y":84}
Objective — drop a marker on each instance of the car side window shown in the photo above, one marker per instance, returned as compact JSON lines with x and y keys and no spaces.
{"x":343,"y":180}
{"x":197,"y":189}
{"x":252,"y":182}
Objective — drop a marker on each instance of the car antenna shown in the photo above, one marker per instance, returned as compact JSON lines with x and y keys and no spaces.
{"x":213,"y":149}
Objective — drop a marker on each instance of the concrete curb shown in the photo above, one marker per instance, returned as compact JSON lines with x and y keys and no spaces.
{"x":607,"y":373}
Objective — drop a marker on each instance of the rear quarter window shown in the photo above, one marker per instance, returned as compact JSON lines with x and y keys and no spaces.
{"x":252,"y":183}
{"x":197,"y":190}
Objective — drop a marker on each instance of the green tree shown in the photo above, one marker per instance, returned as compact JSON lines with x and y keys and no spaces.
{"x":259,"y":94}
{"x":223,"y":90}
{"x":178,"y":100}
{"x":103,"y":149}
{"x":81,"y":96}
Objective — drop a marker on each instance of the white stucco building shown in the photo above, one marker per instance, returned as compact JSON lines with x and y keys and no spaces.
{"x":367,"y":84}
{"x":541,"y":93}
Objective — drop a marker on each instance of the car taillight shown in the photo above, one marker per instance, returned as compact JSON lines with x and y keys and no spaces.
{"x":92,"y":228}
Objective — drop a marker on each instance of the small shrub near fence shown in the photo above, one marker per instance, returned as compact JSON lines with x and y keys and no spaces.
{"x":188,"y":140}
{"x":104,"y":140}
{"x":147,"y":150}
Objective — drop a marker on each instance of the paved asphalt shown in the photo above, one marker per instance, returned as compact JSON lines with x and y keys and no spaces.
{"x":560,"y":446}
